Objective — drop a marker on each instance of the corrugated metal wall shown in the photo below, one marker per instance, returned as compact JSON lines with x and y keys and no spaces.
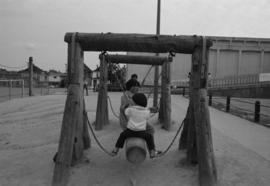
{"x":228,"y":57}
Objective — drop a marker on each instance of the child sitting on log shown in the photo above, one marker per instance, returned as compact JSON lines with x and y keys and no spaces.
{"x":137,"y":114}
{"x":132,"y":87}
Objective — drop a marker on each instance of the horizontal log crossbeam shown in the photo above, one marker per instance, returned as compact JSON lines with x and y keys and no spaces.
{"x":141,"y":60}
{"x":137,"y":42}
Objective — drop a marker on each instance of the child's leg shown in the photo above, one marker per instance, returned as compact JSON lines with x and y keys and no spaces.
{"x":149,"y":139}
{"x":123,"y":136}
{"x":150,"y":129}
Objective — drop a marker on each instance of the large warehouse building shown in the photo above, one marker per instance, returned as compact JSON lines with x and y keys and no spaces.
{"x":228,"y":57}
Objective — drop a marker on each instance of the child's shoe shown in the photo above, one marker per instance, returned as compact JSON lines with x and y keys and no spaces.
{"x":115,"y":151}
{"x":155,"y":153}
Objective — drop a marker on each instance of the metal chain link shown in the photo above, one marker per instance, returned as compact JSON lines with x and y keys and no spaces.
{"x":95,"y":137}
{"x":168,"y":148}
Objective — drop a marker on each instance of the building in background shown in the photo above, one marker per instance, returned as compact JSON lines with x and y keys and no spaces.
{"x":40,"y":77}
{"x":96,"y":78}
{"x":56,"y":78}
{"x":228,"y":57}
{"x":5,"y":74}
{"x":88,"y":75}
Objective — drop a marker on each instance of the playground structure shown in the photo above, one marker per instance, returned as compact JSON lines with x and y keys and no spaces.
{"x":102,"y":106}
{"x":74,"y":134}
{"x":135,"y":147}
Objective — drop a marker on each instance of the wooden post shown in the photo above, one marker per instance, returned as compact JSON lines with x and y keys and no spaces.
{"x":155,"y":94}
{"x":207,"y":167}
{"x":9,"y":89}
{"x":166,"y":96}
{"x":106,"y":111}
{"x":257,"y":111}
{"x":184,"y":91}
{"x":192,"y":152}
{"x":70,"y":144}
{"x":191,"y":143}
{"x":161,"y":111}
{"x":30,"y":69}
{"x":22,"y":88}
{"x":102,"y":104}
{"x":228,"y":103}
{"x":210,"y":100}
{"x":86,"y":136}
{"x":106,"y":91}
{"x":184,"y":134}
{"x":161,"y":101}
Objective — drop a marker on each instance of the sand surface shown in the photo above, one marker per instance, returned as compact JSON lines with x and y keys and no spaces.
{"x":30,"y":130}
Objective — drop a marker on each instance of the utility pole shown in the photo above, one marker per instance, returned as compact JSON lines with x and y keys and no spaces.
{"x":30,"y":68}
{"x":155,"y":101}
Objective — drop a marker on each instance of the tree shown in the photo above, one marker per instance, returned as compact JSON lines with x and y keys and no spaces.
{"x":116,"y":74}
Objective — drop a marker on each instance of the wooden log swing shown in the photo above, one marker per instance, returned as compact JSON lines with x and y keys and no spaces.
{"x":70,"y":149}
{"x":135,"y":147}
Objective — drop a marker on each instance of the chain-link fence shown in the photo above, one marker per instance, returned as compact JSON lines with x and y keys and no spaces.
{"x":17,"y":88}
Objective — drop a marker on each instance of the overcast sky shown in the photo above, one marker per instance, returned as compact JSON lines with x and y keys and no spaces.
{"x":37,"y":27}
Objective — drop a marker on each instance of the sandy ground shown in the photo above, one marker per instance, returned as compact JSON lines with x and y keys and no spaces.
{"x":30,"y":130}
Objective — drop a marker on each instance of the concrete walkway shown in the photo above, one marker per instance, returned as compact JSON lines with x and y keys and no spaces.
{"x":251,"y":135}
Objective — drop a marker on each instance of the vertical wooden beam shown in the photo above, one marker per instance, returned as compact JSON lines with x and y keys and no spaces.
{"x":70,"y":65}
{"x":161,"y":100}
{"x":30,"y":68}
{"x":183,"y":138}
{"x":9,"y":89}
{"x":192,"y":152}
{"x":78,"y":75}
{"x":228,"y":103}
{"x":166,"y":96}
{"x":210,"y":99}
{"x":105,"y":100}
{"x":257,"y":111}
{"x":161,"y":103}
{"x":22,"y":88}
{"x":102,"y":104}
{"x":86,"y":136}
{"x":190,"y":136}
{"x":161,"y":111}
{"x":155,"y":94}
{"x":207,"y":167}
{"x":70,"y":143}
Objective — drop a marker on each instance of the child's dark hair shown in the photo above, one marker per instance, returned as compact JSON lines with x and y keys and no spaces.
{"x":140,"y":99}
{"x":134,"y":76}
{"x":132,"y":83}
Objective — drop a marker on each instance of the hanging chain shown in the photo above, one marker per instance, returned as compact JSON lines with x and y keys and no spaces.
{"x":95,"y":137}
{"x":168,"y":148}
{"x":111,"y":154}
{"x":112,"y":107}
